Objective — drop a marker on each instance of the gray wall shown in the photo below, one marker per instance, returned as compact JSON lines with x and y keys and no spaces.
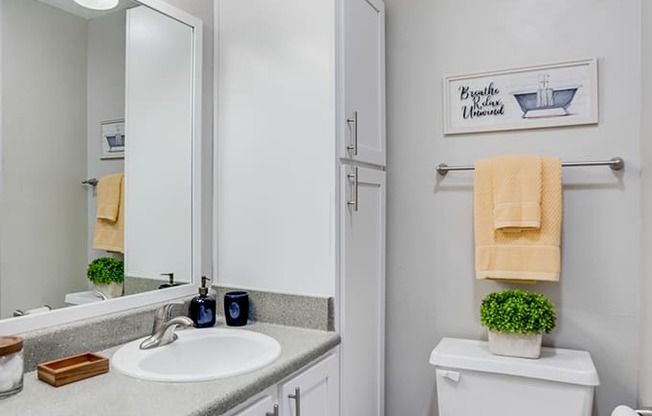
{"x":432,"y":292}
{"x":43,"y":155}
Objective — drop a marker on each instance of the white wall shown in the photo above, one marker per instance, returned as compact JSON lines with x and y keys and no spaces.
{"x":276,"y":146}
{"x":43,"y":204}
{"x":645,"y":365}
{"x":106,"y":100}
{"x":432,"y":291}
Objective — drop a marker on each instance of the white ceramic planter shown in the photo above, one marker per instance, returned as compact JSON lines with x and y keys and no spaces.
{"x":515,"y":345}
{"x":111,"y":290}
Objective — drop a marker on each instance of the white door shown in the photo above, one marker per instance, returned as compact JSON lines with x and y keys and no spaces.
{"x":364,"y":81}
{"x":362,"y":292}
{"x":314,"y":392}
{"x":262,"y":407}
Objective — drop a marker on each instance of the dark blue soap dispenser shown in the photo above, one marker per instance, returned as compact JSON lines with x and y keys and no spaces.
{"x":202,"y":308}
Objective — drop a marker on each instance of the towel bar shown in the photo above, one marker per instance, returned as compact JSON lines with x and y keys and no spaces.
{"x":91,"y":182}
{"x":615,"y":163}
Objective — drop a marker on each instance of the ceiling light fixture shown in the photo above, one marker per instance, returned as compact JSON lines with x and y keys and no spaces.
{"x":97,"y":4}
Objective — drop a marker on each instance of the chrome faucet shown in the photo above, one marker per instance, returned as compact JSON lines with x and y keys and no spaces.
{"x":164,"y":327}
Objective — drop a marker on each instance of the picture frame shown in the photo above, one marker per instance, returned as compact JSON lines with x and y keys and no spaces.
{"x":530,"y":97}
{"x":112,"y":136}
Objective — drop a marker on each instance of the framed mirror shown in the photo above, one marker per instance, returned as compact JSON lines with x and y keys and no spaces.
{"x":99,"y":108}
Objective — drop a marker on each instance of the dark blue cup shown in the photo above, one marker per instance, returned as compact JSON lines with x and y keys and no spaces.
{"x":236,"y":308}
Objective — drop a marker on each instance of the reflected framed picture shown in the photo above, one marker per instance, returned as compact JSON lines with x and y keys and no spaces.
{"x":113,"y":139}
{"x":551,"y":95}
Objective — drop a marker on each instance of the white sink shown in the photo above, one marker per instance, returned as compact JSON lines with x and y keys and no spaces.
{"x":198,"y":355}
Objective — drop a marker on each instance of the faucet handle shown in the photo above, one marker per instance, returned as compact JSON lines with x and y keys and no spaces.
{"x":166,"y":335}
{"x":167,"y":308}
{"x":162,"y":315}
{"x":165,"y":311}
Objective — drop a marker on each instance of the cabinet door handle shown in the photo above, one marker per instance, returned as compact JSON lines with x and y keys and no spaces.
{"x":274,"y":413}
{"x":297,"y":399}
{"x":353,"y":125}
{"x":353,"y":177}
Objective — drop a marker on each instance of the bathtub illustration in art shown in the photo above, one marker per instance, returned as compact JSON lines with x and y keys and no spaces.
{"x":545,"y":98}
{"x":115,"y":141}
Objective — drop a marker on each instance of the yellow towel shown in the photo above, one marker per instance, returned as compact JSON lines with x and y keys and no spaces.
{"x":528,"y":255}
{"x":517,"y":192}
{"x":109,"y":225}
{"x":108,"y":196}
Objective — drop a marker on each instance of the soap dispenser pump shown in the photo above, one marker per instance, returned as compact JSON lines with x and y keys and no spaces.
{"x":202,"y":307}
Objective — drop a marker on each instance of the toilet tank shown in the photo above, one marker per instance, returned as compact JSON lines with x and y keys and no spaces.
{"x":471,"y":380}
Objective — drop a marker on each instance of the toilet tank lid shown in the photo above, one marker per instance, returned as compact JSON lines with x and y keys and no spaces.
{"x":555,"y":364}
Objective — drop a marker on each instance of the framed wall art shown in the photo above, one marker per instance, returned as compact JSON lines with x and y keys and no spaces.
{"x":113,"y":139}
{"x":559,"y":94}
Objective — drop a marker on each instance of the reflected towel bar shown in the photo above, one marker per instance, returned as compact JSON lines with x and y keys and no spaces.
{"x":615,"y":163}
{"x":91,"y":182}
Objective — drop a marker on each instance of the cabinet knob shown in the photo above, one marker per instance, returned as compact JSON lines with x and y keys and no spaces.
{"x":297,"y":399}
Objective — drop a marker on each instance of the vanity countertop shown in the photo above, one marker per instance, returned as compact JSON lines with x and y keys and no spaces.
{"x":114,"y":394}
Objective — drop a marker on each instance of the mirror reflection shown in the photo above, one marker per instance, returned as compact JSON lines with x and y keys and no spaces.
{"x":96,"y":144}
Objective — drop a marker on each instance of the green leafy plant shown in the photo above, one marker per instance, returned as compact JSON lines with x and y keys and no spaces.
{"x":105,"y":270}
{"x":518,"y":311}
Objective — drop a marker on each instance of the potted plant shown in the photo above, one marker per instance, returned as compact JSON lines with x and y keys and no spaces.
{"x":107,"y":275}
{"x":516,"y":320}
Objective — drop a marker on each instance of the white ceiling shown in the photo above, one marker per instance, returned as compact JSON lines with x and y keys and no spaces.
{"x":71,"y":7}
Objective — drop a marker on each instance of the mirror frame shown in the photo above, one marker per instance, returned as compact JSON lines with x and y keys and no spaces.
{"x":22,"y":324}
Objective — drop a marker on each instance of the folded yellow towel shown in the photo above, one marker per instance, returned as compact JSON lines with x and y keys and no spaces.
{"x":517,"y":192}
{"x":528,"y":255}
{"x":109,"y":228}
{"x":108,"y":196}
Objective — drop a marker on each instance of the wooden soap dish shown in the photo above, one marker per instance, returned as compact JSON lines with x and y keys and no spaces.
{"x":71,"y":369}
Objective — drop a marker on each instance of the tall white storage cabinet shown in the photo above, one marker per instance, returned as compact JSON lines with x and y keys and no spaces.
{"x":300,"y":178}
{"x":362,"y":292}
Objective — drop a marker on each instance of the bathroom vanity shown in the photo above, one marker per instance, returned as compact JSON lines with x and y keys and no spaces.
{"x":308,"y":362}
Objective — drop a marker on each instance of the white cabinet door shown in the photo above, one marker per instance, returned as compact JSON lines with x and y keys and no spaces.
{"x":364,"y":81}
{"x":262,"y":407}
{"x":362,"y":289}
{"x":314,"y":392}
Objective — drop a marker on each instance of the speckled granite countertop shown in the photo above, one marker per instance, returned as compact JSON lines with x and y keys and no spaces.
{"x":115,"y":394}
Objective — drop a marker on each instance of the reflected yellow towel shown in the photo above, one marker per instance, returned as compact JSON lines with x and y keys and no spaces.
{"x":109,"y":225}
{"x":108,"y":196}
{"x":517,"y":192}
{"x":528,"y":255}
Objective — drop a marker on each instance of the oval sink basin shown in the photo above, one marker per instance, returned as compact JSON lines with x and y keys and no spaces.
{"x":198,"y":355}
